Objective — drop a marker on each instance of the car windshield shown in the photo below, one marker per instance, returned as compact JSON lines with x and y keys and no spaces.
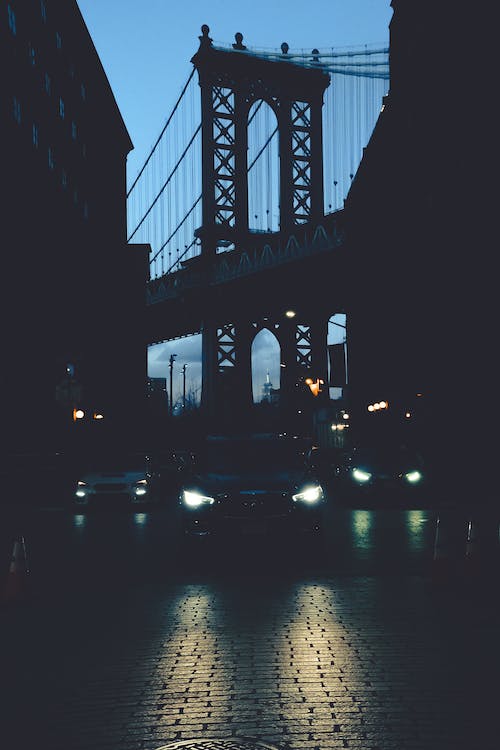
{"x":246,"y":456}
{"x":109,"y":461}
{"x":397,"y":458}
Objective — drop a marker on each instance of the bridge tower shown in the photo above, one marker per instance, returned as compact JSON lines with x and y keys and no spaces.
{"x":231,"y":82}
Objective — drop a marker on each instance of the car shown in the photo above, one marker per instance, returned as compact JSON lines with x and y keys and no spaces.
{"x":116,"y":478}
{"x":385,"y":471}
{"x":251,"y":484}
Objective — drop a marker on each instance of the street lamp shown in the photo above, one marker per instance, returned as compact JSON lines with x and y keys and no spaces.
{"x":171,"y":366}
{"x":184,"y":387}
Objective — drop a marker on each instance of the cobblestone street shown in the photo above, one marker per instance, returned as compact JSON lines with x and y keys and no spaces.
{"x":298,"y":660}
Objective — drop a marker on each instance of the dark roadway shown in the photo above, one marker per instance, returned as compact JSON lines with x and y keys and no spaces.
{"x":131,"y":638}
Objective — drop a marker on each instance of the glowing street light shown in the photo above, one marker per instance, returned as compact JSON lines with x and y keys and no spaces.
{"x":314,"y":385}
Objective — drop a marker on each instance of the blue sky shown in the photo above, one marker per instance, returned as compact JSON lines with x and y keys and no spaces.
{"x":145,"y":49}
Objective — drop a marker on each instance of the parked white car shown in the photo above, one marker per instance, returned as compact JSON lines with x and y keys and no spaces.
{"x":122,"y":480}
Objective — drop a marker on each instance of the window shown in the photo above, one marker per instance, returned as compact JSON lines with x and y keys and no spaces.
{"x":35,"y":135}
{"x":12,"y":20}
{"x":83,"y":91}
{"x":58,"y":40}
{"x":43,"y":11}
{"x":73,"y":130}
{"x":16,"y":110}
{"x":47,"y":84}
{"x":61,"y":108}
{"x":31,"y":54}
{"x":51,"y":158}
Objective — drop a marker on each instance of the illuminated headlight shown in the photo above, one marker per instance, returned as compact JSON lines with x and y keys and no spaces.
{"x":413,"y":477}
{"x":140,"y":490}
{"x":80,"y":489}
{"x":196,"y":499}
{"x":141,"y":487}
{"x":361,"y":476}
{"x":309,"y":494}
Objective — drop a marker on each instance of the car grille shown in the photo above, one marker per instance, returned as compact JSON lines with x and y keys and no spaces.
{"x":255,"y":504}
{"x":117,"y":487}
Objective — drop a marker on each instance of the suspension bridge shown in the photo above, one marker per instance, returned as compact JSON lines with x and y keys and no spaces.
{"x":241,"y":199}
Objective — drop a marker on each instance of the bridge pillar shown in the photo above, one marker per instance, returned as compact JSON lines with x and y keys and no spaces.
{"x":289,"y":365}
{"x":209,"y":367}
{"x":319,"y":352}
{"x":226,"y":369}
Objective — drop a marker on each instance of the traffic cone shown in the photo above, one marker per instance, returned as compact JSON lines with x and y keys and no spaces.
{"x":16,"y":588}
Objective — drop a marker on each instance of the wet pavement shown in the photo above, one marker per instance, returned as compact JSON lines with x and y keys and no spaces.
{"x":378,"y":635}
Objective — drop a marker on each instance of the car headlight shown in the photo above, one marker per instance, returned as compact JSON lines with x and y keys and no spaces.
{"x":196,"y":499}
{"x":81,"y":489}
{"x":141,"y":487}
{"x":361,"y":476}
{"x":413,"y":477}
{"x":310,"y":494}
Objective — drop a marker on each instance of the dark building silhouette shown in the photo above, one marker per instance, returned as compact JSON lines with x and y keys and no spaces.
{"x":72,"y":290}
{"x":422,"y":281}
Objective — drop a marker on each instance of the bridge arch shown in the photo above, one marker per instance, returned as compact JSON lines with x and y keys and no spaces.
{"x":263,"y":167}
{"x":265,"y":359}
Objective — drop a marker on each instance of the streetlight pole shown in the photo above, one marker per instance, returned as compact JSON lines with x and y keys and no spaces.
{"x":184,"y":387}
{"x":171,"y":366}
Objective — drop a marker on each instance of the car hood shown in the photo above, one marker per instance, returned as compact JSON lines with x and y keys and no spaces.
{"x":265,"y":482}
{"x":109,"y":477}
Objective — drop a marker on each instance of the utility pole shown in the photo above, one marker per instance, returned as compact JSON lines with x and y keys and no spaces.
{"x":171,"y":366}
{"x":184,"y":387}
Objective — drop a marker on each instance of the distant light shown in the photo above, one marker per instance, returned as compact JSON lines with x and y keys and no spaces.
{"x":340,"y":426}
{"x":78,"y":414}
{"x":290,"y":313}
{"x":334,"y":427}
{"x":413,"y":477}
{"x":309,"y":381}
{"x":345,"y":415}
{"x":376,"y":406}
{"x":371,"y":407}
{"x":98,"y":415}
{"x":407,"y":415}
{"x":383,"y":404}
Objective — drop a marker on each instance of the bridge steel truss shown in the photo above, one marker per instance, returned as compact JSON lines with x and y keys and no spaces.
{"x":230,"y":296}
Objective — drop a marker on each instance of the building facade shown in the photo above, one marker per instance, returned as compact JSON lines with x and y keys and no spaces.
{"x":73,"y":291}
{"x":421,"y":281}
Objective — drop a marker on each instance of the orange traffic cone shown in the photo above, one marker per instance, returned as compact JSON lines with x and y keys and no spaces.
{"x":17,"y":581}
